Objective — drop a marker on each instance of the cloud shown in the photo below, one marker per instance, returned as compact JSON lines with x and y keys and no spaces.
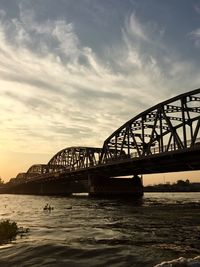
{"x":136,"y":29}
{"x":195,"y":35}
{"x":197,"y":8}
{"x":56,"y":92}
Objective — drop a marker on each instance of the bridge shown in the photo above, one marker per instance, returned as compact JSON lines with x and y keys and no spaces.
{"x":164,"y":138}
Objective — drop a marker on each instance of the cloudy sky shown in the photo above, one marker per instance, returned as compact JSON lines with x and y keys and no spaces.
{"x":71,"y":72}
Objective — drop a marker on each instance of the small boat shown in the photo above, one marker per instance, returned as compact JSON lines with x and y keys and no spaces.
{"x":48,"y":207}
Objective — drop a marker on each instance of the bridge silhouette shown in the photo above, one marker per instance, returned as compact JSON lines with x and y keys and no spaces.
{"x":164,"y":138}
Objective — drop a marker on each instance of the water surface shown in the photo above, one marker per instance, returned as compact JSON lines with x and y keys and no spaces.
{"x":83,"y":231}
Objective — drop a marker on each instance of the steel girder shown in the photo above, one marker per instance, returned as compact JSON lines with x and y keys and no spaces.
{"x":33,"y":171}
{"x":171,"y":125}
{"x":38,"y":169}
{"x":73,"y":158}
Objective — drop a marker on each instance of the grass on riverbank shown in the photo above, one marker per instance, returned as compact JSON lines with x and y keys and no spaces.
{"x":9,"y":230}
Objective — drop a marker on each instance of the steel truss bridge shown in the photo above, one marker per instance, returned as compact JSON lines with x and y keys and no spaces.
{"x":164,"y":138}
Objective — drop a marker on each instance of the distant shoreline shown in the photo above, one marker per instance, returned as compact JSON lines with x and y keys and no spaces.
{"x":169,"y":191}
{"x":180,"y":186}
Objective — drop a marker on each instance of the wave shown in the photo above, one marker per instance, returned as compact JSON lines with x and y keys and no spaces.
{"x":46,"y":255}
{"x":181,"y":262}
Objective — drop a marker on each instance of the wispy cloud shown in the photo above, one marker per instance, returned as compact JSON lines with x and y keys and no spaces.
{"x":136,"y":29}
{"x":56,"y":92}
{"x":195,"y":35}
{"x":197,"y":8}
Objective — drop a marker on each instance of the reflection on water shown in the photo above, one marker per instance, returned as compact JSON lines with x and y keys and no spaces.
{"x":83,"y":231}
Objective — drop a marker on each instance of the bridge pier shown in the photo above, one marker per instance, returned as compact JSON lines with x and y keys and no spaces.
{"x":105,"y":186}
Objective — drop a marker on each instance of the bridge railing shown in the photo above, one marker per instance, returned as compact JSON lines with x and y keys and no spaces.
{"x":166,"y":148}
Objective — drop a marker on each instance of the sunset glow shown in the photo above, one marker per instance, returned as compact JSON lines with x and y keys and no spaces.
{"x":72,"y":72}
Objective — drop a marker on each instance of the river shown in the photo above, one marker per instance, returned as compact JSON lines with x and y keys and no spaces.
{"x":82,"y":231}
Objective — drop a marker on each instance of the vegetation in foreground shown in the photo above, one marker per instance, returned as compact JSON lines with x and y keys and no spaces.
{"x":9,"y":230}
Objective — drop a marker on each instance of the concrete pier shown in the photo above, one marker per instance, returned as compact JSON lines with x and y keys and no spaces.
{"x":116,"y":186}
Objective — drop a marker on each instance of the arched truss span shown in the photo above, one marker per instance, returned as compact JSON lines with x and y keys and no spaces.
{"x":44,"y":168}
{"x":33,"y":171}
{"x":171,"y":125}
{"x":38,"y":169}
{"x":21,"y":175}
{"x":73,"y":158}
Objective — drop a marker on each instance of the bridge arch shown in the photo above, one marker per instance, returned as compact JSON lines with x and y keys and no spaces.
{"x":73,"y":158}
{"x":170,"y":125}
{"x":33,"y":171}
{"x":38,"y":169}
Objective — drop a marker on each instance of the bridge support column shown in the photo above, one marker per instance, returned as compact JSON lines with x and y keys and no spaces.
{"x":105,"y":186}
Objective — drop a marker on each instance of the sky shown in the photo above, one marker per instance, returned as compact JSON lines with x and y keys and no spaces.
{"x":72,"y":72}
